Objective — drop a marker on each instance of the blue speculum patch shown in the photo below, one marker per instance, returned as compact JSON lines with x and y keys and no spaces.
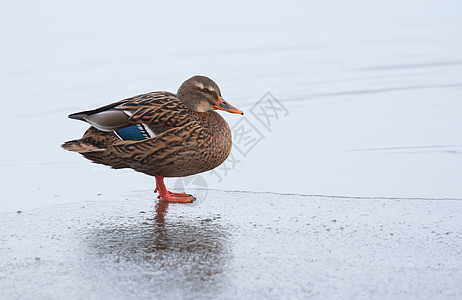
{"x":132,"y":133}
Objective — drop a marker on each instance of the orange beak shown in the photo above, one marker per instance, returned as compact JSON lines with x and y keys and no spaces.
{"x":223,"y":105}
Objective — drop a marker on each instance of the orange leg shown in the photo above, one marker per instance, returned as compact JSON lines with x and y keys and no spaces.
{"x":165,"y":195}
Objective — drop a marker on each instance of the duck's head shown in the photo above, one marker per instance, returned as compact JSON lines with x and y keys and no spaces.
{"x":202,"y":94}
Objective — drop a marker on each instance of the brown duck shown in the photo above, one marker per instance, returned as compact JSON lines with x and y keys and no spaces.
{"x":160,"y":134}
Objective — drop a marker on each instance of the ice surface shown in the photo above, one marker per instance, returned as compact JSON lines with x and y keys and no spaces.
{"x":234,"y":245}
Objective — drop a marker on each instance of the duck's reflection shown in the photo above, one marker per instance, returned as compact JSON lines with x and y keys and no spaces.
{"x":161,"y":212}
{"x":174,"y":252}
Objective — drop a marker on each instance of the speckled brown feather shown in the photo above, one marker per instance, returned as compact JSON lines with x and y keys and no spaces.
{"x":187,"y":143}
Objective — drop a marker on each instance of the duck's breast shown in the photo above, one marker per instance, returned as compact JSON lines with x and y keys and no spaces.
{"x":204,"y":148}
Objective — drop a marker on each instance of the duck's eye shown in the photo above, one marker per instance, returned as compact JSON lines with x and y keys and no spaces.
{"x":206,"y":90}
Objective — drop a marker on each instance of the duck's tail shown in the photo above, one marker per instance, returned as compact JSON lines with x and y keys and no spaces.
{"x":81,"y":146}
{"x":93,"y":140}
{"x":94,"y":146}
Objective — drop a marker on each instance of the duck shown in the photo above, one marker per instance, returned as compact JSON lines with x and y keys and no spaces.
{"x":160,"y":134}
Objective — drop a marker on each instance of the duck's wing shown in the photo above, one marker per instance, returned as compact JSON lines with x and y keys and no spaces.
{"x":147,"y":112}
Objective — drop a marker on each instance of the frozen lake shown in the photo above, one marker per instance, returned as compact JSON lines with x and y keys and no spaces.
{"x":343,"y":100}
{"x":372,"y":92}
